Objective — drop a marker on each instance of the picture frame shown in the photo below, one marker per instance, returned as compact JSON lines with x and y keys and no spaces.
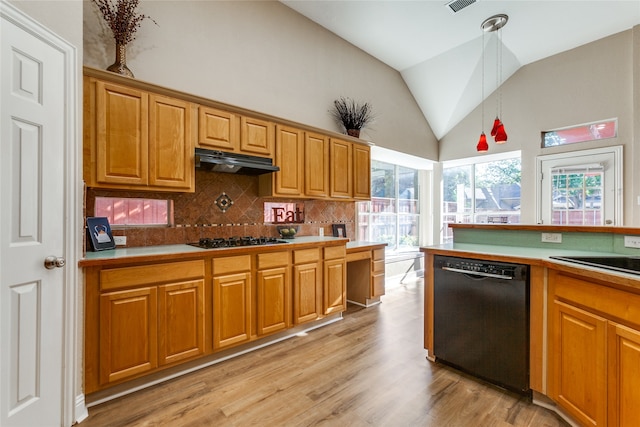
{"x":339,"y":230}
{"x":99,"y":233}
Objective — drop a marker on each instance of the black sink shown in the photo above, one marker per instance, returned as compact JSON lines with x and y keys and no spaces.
{"x":626,"y":264}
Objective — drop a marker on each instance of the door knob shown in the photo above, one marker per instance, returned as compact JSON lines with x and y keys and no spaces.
{"x":52,"y":262}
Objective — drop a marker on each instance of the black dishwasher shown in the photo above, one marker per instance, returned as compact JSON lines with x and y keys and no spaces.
{"x":481,"y":319}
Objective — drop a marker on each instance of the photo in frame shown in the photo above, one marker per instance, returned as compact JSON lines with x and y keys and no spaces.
{"x":339,"y":230}
{"x":100,"y":235}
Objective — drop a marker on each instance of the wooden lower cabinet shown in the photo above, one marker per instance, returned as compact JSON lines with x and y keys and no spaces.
{"x":128,"y":333}
{"x":181,"y":321}
{"x":141,"y":318}
{"x":307,"y":285}
{"x":335,"y":279}
{"x":624,"y":374}
{"x":594,"y":350}
{"x":273,"y":292}
{"x":578,"y":370}
{"x":231,"y":301}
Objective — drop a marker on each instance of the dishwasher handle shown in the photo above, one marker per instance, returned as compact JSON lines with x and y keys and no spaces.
{"x":478,"y":273}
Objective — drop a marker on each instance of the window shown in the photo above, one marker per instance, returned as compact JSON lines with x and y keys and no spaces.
{"x":487,"y":192}
{"x":587,"y":132}
{"x":392,"y":216}
{"x":125,"y":211}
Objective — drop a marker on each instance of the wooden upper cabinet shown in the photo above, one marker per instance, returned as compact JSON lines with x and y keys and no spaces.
{"x":361,"y":172}
{"x":121,"y":134}
{"x":316,"y":165}
{"x":218,"y":130}
{"x":136,"y":139}
{"x":341,"y":163}
{"x":171,"y":163}
{"x":256,"y":136}
{"x":289,"y":180}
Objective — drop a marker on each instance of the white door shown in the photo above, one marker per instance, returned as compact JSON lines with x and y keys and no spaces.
{"x":32,"y":227}
{"x":581,"y":187}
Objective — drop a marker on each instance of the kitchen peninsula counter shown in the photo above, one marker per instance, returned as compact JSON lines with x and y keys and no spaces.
{"x":579,"y":315}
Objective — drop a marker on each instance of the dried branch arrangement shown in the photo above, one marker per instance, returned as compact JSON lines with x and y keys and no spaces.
{"x":122,"y":18}
{"x":351,"y":114}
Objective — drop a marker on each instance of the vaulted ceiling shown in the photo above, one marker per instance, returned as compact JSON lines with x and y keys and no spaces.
{"x":440,"y":53}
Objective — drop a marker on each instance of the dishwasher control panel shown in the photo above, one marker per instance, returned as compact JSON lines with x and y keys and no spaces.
{"x":479,"y":267}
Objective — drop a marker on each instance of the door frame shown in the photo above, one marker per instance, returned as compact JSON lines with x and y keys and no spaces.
{"x":73,"y":404}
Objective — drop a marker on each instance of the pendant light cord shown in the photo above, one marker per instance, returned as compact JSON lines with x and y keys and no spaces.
{"x":482,"y":85}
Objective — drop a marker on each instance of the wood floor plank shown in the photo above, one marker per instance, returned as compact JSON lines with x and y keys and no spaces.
{"x":369,"y":369}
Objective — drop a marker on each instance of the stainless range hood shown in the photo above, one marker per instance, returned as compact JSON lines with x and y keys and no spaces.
{"x":220,"y":161}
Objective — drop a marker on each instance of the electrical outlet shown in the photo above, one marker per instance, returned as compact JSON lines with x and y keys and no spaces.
{"x":552,"y":237}
{"x":632,"y":242}
{"x":120,"y":240}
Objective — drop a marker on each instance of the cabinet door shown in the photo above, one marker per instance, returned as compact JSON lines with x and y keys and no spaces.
{"x":273,"y":300}
{"x":377,"y":273}
{"x":170,"y":143}
{"x":577,"y":368}
{"x":341,"y":181}
{"x":180,"y":321}
{"x":128,"y":333}
{"x":624,"y":371}
{"x":316,"y":165}
{"x":335,"y":290}
{"x":307,"y":292}
{"x":231,"y":309}
{"x":361,"y":172}
{"x":256,"y":137}
{"x":121,"y":151}
{"x":218,"y":129}
{"x":289,"y":157}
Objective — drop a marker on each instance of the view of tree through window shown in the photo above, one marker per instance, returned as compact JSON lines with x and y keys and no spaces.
{"x":481,"y":193}
{"x":392,"y":216}
{"x":577,"y":197}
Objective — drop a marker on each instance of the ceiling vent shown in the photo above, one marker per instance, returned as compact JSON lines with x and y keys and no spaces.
{"x":456,"y":6}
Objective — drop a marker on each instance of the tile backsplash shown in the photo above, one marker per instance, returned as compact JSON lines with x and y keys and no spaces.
{"x":196,"y":214}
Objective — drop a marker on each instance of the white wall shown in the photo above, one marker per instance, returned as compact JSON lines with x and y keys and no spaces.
{"x":589,"y":83}
{"x":263,"y":56}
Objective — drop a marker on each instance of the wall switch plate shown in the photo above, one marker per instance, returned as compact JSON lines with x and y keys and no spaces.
{"x":320,"y":231}
{"x":632,"y":242}
{"x":120,"y":240}
{"x":552,"y":237}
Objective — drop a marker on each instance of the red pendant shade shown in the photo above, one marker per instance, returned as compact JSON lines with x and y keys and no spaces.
{"x":482,"y":143}
{"x":501,"y":135}
{"x":494,"y":129}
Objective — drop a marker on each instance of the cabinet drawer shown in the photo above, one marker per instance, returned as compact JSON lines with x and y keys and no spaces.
{"x":231,"y":264}
{"x":357,"y":256}
{"x":150,"y":274}
{"x":304,"y":256}
{"x":378,"y":267}
{"x":378,"y":254}
{"x":273,"y":259}
{"x":335,"y":252}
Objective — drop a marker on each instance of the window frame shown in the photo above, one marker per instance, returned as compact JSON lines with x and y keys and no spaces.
{"x":394,"y":247}
{"x":471,"y":162}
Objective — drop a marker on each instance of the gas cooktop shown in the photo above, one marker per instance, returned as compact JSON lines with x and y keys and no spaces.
{"x":232,"y":242}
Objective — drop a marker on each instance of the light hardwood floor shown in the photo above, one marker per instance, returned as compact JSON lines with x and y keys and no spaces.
{"x":366,"y":370}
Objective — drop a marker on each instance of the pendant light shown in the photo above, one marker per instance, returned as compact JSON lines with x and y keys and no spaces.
{"x":495,"y":23}
{"x":482,"y":146}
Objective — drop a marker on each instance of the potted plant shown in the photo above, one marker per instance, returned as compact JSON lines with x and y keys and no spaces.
{"x":124,"y":21}
{"x":352,"y":115}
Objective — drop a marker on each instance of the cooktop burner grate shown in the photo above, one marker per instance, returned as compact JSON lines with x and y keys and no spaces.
{"x":231,"y":242}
